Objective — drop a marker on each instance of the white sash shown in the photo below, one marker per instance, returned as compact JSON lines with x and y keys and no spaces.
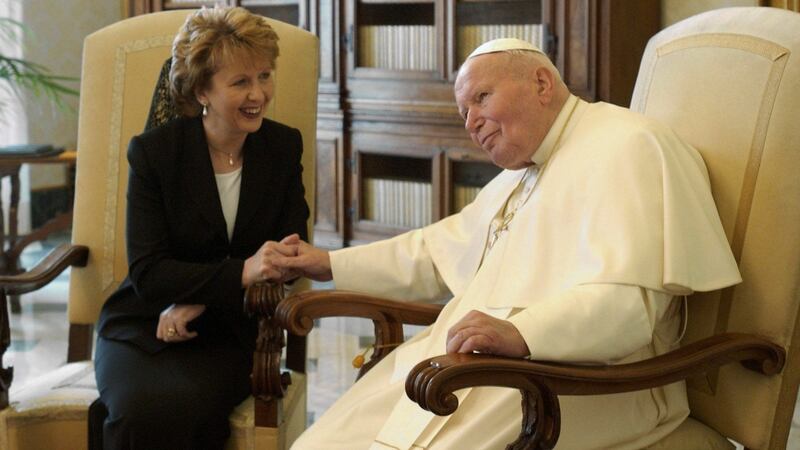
{"x":408,"y":421}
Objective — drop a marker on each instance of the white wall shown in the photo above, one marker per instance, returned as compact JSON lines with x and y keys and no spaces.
{"x":57,"y":29}
{"x":13,"y":126}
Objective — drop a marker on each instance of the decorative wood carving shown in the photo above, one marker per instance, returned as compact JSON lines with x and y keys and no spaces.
{"x":431,"y":383}
{"x":268,"y":383}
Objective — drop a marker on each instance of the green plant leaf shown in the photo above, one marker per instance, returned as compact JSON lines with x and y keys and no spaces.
{"x":31,"y":76}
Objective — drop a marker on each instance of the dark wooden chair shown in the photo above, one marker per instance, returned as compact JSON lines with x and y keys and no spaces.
{"x":120,"y":66}
{"x":728,"y":82}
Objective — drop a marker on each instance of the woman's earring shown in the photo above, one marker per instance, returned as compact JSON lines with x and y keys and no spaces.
{"x":205,"y":110}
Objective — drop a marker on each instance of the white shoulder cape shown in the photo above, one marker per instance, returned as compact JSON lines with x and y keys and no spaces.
{"x":621,"y":200}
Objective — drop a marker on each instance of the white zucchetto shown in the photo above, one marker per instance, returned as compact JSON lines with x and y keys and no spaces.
{"x":503,"y":44}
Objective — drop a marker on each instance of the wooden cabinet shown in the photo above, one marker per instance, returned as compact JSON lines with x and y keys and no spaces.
{"x":392,"y":153}
{"x":408,"y":156}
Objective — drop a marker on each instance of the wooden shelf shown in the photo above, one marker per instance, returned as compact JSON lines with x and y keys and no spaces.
{"x":394,"y":13}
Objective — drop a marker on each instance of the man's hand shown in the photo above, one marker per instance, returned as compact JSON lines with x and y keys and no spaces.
{"x":309,"y":261}
{"x":173,"y":320}
{"x":483,"y":333}
{"x":261,"y":266}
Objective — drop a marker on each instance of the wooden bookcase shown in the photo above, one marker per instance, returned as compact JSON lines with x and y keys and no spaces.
{"x":392,"y":152}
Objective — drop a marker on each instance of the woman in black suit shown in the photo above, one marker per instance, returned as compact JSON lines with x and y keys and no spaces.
{"x":210,"y":196}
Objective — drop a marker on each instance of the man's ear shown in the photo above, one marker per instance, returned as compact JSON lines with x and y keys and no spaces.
{"x":545,"y":84}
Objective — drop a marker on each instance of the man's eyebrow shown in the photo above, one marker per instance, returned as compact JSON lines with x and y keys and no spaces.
{"x":463,"y":108}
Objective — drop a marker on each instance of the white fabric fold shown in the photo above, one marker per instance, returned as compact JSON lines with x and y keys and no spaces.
{"x":640,"y":213}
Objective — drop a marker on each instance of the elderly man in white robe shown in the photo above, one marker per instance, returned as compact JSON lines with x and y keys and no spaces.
{"x":580,"y":251}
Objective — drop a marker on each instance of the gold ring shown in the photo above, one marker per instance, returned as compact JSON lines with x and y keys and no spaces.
{"x":171,"y":331}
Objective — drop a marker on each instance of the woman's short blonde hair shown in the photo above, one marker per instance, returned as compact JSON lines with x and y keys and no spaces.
{"x":208,"y":39}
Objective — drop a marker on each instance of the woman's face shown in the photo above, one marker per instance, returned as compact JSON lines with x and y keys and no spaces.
{"x":238,"y":94}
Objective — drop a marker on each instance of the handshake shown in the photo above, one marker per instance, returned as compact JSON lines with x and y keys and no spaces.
{"x":286,"y":260}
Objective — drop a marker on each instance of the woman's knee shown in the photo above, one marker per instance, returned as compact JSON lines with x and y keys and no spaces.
{"x":156,"y":408}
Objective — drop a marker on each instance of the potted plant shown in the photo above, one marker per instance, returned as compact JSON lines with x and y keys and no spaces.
{"x":21,"y":74}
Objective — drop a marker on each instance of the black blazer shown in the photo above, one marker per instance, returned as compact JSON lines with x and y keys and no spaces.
{"x":177,"y":241}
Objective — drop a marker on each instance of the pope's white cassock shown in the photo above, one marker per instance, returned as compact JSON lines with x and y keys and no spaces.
{"x":588,"y":253}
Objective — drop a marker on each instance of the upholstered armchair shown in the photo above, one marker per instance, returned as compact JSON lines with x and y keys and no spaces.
{"x":728,"y":81}
{"x":120,"y":66}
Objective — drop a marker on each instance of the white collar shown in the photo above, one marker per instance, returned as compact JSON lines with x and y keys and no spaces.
{"x":545,"y":150}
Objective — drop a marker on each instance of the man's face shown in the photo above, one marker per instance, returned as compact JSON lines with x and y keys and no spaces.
{"x":503,"y":114}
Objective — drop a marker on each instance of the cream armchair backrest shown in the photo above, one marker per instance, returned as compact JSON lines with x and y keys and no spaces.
{"x":121,"y":64}
{"x":728,"y":81}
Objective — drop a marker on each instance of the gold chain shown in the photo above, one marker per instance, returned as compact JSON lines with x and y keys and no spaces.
{"x":508,"y":217}
{"x":231,"y":162}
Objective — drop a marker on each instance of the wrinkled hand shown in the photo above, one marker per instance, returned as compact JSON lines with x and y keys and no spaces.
{"x":173,"y":320}
{"x":261,"y":266}
{"x":309,"y":261}
{"x":483,"y":333}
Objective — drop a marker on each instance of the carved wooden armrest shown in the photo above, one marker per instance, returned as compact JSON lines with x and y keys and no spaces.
{"x":431,"y":383}
{"x":298,"y":312}
{"x":44,"y":272}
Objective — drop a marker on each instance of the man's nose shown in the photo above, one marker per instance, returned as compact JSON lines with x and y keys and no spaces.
{"x":473,"y":122}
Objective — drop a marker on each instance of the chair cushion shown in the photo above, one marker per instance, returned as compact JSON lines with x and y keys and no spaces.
{"x":65,"y":392}
{"x":693,"y":434}
{"x":50,"y":411}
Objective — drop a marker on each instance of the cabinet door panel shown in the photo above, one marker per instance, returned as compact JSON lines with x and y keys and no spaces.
{"x":395,"y":39}
{"x":393,"y":187}
{"x":477,"y":21}
{"x":329,"y":213}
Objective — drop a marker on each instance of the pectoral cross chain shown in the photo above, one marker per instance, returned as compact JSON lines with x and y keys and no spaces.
{"x":501,"y":228}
